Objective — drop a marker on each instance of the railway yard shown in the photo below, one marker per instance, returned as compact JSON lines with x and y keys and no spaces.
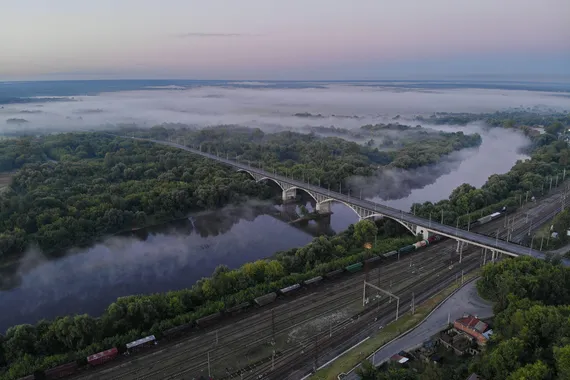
{"x":289,"y":337}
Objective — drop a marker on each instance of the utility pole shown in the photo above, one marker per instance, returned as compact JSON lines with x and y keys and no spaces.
{"x":273,"y":360}
{"x":413,"y":306}
{"x":441,"y":216}
{"x":209,"y":372}
{"x":550,"y":185}
{"x":462,"y":273}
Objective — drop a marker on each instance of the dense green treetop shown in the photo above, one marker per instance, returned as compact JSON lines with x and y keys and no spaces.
{"x":101,"y":185}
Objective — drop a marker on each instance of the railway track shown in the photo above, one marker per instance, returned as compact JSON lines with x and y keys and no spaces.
{"x":190,"y":355}
{"x":402,"y":286}
{"x":233,"y":342}
{"x":311,"y":350}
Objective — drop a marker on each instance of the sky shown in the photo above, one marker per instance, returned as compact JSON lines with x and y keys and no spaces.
{"x":293,"y":39}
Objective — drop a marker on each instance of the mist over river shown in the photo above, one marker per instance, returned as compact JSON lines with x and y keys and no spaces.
{"x":175,"y":255}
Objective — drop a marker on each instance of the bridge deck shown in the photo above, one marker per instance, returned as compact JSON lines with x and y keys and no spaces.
{"x":470,"y":237}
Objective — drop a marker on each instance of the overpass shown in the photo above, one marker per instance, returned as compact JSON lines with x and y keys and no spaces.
{"x":367,"y":209}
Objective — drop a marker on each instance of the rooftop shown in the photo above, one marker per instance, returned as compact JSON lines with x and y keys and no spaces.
{"x":473,"y":323}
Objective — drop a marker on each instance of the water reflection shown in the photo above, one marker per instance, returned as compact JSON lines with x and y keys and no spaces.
{"x":157,"y":259}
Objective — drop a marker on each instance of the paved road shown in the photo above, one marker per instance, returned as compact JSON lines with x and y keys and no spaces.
{"x":466,"y":300}
{"x":442,"y":229}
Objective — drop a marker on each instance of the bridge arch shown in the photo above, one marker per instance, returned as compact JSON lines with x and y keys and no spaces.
{"x":407,"y":226}
{"x":372,"y":215}
{"x":259,"y":178}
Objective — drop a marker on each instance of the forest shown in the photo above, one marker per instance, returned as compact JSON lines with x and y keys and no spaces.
{"x":328,"y":159}
{"x":537,"y":116}
{"x":95,"y":185}
{"x":531,"y":327}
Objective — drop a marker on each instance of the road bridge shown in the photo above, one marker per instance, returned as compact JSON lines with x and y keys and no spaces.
{"x":366,"y":209}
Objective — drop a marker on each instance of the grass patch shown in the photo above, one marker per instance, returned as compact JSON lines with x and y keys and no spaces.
{"x":348,"y":361}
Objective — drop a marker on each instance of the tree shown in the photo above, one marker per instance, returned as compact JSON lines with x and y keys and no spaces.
{"x":365,"y":231}
{"x":535,"y":371}
{"x":562,"y":357}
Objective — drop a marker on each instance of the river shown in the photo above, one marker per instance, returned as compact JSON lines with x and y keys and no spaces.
{"x":175,"y":255}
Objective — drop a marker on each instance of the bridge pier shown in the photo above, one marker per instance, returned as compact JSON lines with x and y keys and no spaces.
{"x":422,"y":231}
{"x":289,"y":194}
{"x":323,"y":207}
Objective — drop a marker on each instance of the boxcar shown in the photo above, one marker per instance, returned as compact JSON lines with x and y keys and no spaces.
{"x":372,"y":259}
{"x":238,"y":308}
{"x":290,"y":289}
{"x":209,"y":319}
{"x":434,"y":238}
{"x":406,"y":249}
{"x":354,"y":267}
{"x":266,"y":299}
{"x":103,"y":356}
{"x":313,"y":281}
{"x":178,"y":330}
{"x":334,"y":273}
{"x":139,"y":344}
{"x":61,"y":371}
{"x":420,"y":244}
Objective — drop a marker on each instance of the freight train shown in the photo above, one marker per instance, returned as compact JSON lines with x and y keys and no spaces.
{"x":145,"y":343}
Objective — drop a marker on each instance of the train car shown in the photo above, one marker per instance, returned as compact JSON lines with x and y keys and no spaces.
{"x":140,"y":344}
{"x":334,"y":273}
{"x":238,"y":308}
{"x":406,"y":249}
{"x":290,"y":289}
{"x":177,"y":331}
{"x":354,"y":267}
{"x":61,"y":371}
{"x":433,"y":239}
{"x":390,"y":254}
{"x":102,"y":357}
{"x":209,"y":319}
{"x":373,"y":259}
{"x":488,"y":218}
{"x":420,"y":244}
{"x":313,"y":281}
{"x":266,"y":299}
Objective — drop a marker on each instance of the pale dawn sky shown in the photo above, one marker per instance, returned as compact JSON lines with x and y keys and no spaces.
{"x":293,"y":39}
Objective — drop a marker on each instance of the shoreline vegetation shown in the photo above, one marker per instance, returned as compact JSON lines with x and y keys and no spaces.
{"x":113,"y":171}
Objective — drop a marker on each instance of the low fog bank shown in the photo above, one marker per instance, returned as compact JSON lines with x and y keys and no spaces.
{"x":498,"y":152}
{"x":343,"y":106}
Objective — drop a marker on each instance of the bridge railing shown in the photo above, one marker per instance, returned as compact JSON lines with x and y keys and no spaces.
{"x":372,"y":206}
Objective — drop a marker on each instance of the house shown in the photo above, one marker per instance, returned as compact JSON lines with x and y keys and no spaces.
{"x":473,"y":327}
{"x":399,"y":359}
